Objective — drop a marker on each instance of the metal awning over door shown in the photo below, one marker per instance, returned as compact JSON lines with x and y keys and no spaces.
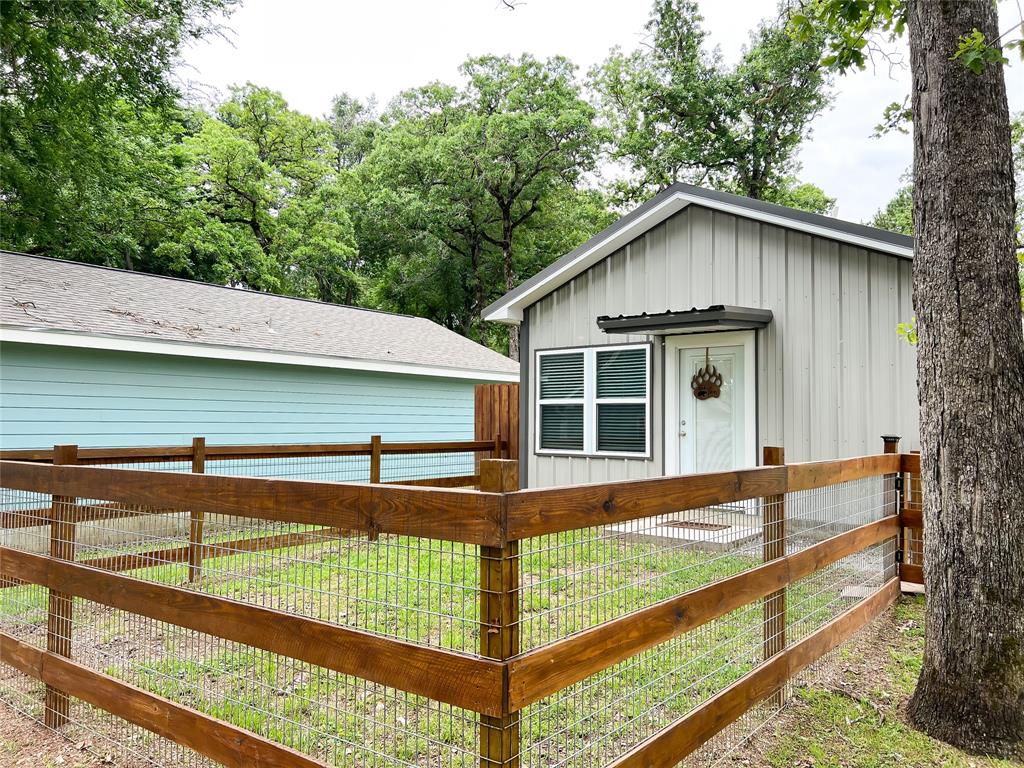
{"x":718,"y":317}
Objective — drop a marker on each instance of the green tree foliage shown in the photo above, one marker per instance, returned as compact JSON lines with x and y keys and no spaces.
{"x":87,"y":109}
{"x":471,"y":174}
{"x":264,"y":203}
{"x":435,"y":206}
{"x":353,"y":127}
{"x":679,"y":113}
{"x":795,"y":194}
{"x":898,"y":213}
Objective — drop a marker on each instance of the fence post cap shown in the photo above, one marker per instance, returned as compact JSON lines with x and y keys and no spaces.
{"x":499,"y":475}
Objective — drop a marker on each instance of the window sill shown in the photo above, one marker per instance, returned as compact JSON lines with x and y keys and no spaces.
{"x":583,"y":455}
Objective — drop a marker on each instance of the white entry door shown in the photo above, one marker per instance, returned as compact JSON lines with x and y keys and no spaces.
{"x":716,"y":433}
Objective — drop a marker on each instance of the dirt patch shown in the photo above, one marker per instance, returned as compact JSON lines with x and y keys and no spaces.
{"x":24,"y":743}
{"x":854,"y":714}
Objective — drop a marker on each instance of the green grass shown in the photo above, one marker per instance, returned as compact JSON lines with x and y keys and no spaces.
{"x":858,"y":722}
{"x":571,"y":582}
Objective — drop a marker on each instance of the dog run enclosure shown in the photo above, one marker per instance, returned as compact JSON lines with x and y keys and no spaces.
{"x":186,"y":614}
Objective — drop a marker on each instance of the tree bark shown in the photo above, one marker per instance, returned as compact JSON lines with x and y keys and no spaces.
{"x":507,"y":231}
{"x":970,"y":369}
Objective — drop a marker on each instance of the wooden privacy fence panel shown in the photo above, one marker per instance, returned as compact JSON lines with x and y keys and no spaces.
{"x":497,"y":416}
{"x":327,"y":623}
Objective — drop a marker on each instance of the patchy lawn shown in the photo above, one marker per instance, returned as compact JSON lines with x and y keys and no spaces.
{"x":854,"y":716}
{"x":24,"y":743}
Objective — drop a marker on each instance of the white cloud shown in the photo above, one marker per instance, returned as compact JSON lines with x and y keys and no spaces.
{"x":311,"y":50}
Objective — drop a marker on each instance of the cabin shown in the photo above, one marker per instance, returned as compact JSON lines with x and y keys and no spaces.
{"x":702,"y":327}
{"x":107,"y":357}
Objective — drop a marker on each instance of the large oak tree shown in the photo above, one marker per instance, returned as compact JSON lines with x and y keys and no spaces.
{"x":679,"y":112}
{"x":970,"y":359}
{"x":470,"y":174}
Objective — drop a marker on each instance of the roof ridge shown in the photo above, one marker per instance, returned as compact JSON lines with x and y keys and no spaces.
{"x":797,"y":214}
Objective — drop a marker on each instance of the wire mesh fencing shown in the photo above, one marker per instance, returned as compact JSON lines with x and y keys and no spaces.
{"x":418,"y":590}
{"x":397,"y":462}
{"x":580,"y":579}
{"x":502,"y":601}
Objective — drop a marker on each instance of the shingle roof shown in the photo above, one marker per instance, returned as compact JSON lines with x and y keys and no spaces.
{"x":46,"y":294}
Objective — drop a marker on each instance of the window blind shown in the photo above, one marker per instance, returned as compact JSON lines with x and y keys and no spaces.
{"x":594,"y":400}
{"x":561,"y":376}
{"x":622,"y":427}
{"x":622,"y":373}
{"x":561,"y":427}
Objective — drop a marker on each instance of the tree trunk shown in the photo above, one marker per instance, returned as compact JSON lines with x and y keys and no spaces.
{"x":510,"y":275}
{"x":970,"y":369}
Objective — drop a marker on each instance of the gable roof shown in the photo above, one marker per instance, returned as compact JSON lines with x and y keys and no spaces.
{"x":509,"y":308}
{"x":65,"y":303}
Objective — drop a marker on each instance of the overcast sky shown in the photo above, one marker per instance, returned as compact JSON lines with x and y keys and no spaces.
{"x":311,"y":50}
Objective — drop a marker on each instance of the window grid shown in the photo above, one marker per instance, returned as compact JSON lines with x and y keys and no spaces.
{"x":590,"y":401}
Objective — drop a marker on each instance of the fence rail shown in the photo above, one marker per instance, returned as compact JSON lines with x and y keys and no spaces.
{"x":183,"y":453}
{"x":333,"y":623}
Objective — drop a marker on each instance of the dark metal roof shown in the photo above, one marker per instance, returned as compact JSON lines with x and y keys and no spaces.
{"x":716,"y":317}
{"x":838,"y":229}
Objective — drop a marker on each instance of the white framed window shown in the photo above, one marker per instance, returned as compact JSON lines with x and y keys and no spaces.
{"x":594,"y":401}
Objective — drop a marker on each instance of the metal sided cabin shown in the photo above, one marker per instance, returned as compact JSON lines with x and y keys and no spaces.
{"x":703,"y":326}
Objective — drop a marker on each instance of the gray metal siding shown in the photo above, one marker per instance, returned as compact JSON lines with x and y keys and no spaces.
{"x":832,"y":373}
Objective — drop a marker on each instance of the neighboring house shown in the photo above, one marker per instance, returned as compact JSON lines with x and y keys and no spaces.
{"x":796,"y":312}
{"x":106,"y":357}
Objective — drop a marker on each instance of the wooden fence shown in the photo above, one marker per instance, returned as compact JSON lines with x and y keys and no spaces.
{"x":496,"y":415}
{"x":514,"y":669}
{"x":911,"y":545}
{"x":200,"y":458}
{"x":198,"y":453}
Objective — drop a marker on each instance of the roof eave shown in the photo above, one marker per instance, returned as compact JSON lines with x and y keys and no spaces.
{"x":509,"y":308}
{"x":65,"y":338}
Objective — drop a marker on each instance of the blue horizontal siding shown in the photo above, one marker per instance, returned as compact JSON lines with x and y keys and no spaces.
{"x":96,"y":398}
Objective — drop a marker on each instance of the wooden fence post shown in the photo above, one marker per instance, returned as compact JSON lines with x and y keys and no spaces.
{"x":60,"y":605}
{"x":375,"y":459}
{"x":773,"y":536}
{"x":891,"y":444}
{"x":499,"y":618}
{"x":196,"y":518}
{"x":375,"y":454}
{"x":499,"y":449}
